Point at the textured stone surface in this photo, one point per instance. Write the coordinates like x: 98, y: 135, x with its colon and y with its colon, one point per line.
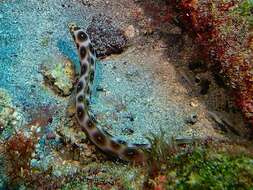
x: 59, y: 75
x: 9, y: 116
x: 106, y: 36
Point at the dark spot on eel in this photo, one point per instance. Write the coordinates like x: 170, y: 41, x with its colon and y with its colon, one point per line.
x: 82, y: 36
x: 115, y: 145
x: 80, y: 112
x: 113, y: 155
x: 82, y: 52
x: 80, y: 98
x: 130, y: 153
x: 83, y: 69
x: 90, y: 123
x: 79, y: 86
x: 99, y: 138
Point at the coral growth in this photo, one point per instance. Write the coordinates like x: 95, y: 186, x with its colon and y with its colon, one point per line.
x: 17, y: 153
x: 59, y: 74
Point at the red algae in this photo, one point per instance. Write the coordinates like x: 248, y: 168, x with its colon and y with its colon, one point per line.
x: 224, y: 40
x: 18, y: 152
x: 225, y: 50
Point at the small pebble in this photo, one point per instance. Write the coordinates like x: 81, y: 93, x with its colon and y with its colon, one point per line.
x: 128, y: 131
x: 51, y: 135
x: 38, y: 130
x: 194, y: 104
x: 197, y: 65
x: 205, y: 85
x: 192, y: 119
x: 176, y: 30
x: 197, y: 79
x: 130, y: 31
x: 33, y: 154
x: 34, y: 163
x: 162, y: 44
x: 100, y: 89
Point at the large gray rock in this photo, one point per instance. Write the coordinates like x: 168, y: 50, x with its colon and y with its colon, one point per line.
x: 106, y: 37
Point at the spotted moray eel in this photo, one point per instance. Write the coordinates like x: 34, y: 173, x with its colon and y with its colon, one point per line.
x: 103, y: 140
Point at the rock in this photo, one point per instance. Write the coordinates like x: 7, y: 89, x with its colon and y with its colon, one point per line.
x: 59, y: 74
x: 9, y: 116
x: 5, y: 99
x: 194, y: 103
x: 204, y: 85
x: 128, y: 131
x: 197, y: 79
x: 175, y: 30
x: 222, y: 123
x: 51, y: 135
x: 71, y: 136
x: 129, y: 31
x: 105, y: 36
x: 192, y: 119
x: 198, y: 66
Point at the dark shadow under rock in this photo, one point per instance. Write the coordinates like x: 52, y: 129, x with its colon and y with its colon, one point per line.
x: 105, y: 36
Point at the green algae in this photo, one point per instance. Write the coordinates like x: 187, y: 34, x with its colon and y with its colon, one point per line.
x: 245, y: 9
x: 204, y: 169
x: 59, y: 75
x: 75, y: 185
x: 201, y: 166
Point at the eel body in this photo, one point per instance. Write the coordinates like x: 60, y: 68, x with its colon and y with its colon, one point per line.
x: 104, y: 141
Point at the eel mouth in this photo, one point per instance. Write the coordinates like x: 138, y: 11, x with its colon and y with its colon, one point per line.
x: 73, y: 27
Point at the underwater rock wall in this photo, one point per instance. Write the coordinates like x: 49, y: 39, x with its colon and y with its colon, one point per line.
x: 223, y: 31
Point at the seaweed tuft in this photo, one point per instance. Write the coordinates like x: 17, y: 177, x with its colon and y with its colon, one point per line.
x: 17, y: 151
x: 202, y: 164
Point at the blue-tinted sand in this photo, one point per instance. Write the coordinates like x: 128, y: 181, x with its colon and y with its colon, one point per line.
x: 131, y: 106
x: 23, y: 27
x: 33, y: 31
